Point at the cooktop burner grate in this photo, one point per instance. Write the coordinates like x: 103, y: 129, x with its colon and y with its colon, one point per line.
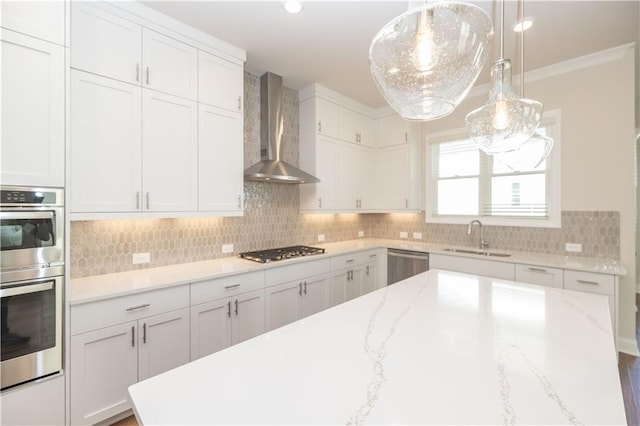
x: 272, y: 255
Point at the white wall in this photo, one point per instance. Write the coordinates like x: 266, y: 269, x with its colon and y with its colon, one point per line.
x: 598, y: 154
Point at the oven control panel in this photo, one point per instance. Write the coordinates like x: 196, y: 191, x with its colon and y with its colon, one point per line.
x: 10, y: 195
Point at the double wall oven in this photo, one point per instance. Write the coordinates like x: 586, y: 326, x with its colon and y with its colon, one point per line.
x: 31, y: 283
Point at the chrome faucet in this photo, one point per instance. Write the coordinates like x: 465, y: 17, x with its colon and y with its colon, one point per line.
x: 483, y: 243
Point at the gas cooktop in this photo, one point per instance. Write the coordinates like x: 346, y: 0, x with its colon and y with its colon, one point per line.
x: 272, y: 255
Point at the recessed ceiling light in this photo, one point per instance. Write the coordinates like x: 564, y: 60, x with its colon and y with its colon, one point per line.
x: 526, y: 23
x: 293, y: 6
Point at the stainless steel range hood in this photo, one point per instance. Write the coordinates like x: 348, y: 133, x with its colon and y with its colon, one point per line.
x: 271, y: 168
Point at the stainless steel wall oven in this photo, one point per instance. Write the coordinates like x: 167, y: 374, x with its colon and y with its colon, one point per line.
x: 31, y: 283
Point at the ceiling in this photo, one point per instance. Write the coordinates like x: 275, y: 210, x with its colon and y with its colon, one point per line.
x: 328, y: 42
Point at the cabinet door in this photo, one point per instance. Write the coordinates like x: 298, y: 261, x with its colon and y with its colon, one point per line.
x: 106, y: 144
x: 348, y: 160
x: 541, y: 275
x: 247, y: 316
x: 348, y: 122
x: 163, y: 343
x: 370, y: 278
x: 105, y: 44
x: 220, y: 169
x: 103, y: 366
x: 33, y: 118
x: 220, y: 82
x: 354, y: 283
x: 283, y: 304
x: 170, y: 66
x: 210, y: 327
x: 392, y: 130
x: 365, y: 178
x: 315, y: 295
x: 338, y: 290
x: 327, y: 121
x: 322, y: 195
x: 392, y: 172
x: 41, y: 19
x: 170, y: 153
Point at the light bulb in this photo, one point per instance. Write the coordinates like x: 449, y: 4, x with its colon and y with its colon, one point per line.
x: 424, y: 56
x: 501, y: 117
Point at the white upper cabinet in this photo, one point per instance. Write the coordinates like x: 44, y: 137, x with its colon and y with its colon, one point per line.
x: 169, y: 65
x: 106, y: 145
x: 355, y: 127
x: 40, y: 19
x: 220, y: 165
x: 220, y: 82
x: 327, y: 118
x: 320, y: 160
x: 169, y: 152
x: 33, y: 111
x: 394, y: 130
x: 105, y: 44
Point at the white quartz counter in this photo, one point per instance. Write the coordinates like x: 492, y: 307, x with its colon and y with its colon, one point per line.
x: 89, y: 289
x: 437, y: 348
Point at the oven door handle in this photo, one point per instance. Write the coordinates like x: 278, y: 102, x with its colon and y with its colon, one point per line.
x: 27, y: 214
x: 26, y: 289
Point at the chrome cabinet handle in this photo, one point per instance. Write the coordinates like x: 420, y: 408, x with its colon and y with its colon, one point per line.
x: 588, y: 282
x: 147, y: 75
x: 239, y: 102
x: 147, y: 201
x: 137, y: 200
x: 537, y: 270
x: 133, y: 308
x: 229, y: 308
x: 239, y: 201
x: 144, y: 333
x: 406, y: 203
x: 227, y: 287
x: 406, y: 136
x: 133, y: 336
x: 319, y: 203
x: 300, y: 289
x: 138, y: 72
x: 319, y: 126
x: 367, y: 270
x: 305, y: 287
x: 373, y: 255
x: 236, y: 307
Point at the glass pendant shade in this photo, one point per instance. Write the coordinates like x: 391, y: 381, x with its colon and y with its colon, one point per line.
x: 426, y: 60
x: 506, y: 121
x: 529, y: 155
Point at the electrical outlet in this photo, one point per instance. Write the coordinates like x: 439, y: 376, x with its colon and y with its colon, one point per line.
x: 141, y: 258
x: 573, y: 247
x: 320, y: 237
x: 404, y: 235
x: 360, y: 233
x: 227, y: 248
x: 417, y: 235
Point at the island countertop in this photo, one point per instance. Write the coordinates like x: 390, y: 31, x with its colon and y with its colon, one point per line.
x: 437, y: 348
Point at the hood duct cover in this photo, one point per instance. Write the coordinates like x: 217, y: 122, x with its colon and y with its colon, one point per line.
x: 271, y: 168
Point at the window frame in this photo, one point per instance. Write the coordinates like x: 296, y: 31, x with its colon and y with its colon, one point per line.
x: 551, y: 120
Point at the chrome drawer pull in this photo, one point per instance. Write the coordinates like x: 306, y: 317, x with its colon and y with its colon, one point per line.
x: 229, y: 308
x: 588, y: 282
x: 537, y: 270
x: 373, y: 255
x: 350, y: 260
x: 227, y: 287
x: 144, y: 305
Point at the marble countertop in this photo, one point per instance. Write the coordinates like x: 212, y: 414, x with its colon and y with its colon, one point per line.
x: 93, y: 288
x: 437, y: 348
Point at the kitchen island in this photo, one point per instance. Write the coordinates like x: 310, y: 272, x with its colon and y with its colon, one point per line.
x: 437, y: 348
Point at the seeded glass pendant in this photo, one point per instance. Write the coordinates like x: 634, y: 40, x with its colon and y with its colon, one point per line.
x: 506, y: 121
x: 426, y: 60
x: 529, y: 155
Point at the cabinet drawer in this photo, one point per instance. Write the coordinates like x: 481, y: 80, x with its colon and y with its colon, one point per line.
x: 95, y: 315
x: 295, y: 272
x: 541, y: 275
x: 589, y: 282
x: 206, y: 291
x: 488, y: 268
x: 351, y: 259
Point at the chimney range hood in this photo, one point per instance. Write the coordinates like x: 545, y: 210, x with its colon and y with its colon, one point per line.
x: 271, y: 168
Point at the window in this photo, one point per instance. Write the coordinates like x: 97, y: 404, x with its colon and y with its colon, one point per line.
x: 463, y: 183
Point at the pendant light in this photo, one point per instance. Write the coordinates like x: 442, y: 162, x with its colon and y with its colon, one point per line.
x: 537, y: 148
x: 425, y: 61
x: 506, y: 121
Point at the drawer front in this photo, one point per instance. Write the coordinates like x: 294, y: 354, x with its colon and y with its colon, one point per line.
x: 96, y: 315
x: 348, y: 260
x: 487, y: 268
x: 206, y: 291
x: 541, y: 275
x: 296, y: 272
x: 589, y: 282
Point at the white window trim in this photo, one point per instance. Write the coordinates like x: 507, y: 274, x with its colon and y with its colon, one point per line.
x: 552, y: 117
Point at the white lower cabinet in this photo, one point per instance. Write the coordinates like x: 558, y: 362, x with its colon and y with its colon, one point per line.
x: 18, y: 403
x: 135, y: 338
x: 487, y: 268
x: 226, y: 311
x: 295, y: 292
x: 354, y: 275
x: 541, y: 275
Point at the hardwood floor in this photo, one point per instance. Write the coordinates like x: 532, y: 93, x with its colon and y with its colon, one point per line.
x: 628, y: 367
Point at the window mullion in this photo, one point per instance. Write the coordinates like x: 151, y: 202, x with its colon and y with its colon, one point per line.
x: 484, y: 191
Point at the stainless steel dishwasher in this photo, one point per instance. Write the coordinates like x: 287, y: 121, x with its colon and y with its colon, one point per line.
x: 403, y: 264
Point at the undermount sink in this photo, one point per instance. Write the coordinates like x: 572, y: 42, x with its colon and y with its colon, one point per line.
x: 477, y: 252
